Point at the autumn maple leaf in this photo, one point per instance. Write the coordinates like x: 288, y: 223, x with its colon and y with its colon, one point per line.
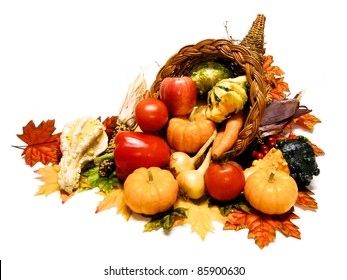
x: 274, y: 78
x: 200, y: 216
x: 263, y: 227
x: 49, y: 176
x: 42, y: 145
x: 307, y: 121
x: 110, y: 125
x: 305, y: 200
x: 279, y: 89
x: 115, y: 199
x: 166, y: 220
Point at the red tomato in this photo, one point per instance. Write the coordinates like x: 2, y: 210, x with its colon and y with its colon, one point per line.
x: 151, y: 115
x: 179, y: 95
x: 224, y: 181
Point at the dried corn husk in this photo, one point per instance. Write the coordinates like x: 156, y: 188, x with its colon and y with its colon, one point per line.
x: 136, y: 92
x: 281, y: 112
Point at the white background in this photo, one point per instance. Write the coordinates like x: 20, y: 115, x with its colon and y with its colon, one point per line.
x: 65, y: 59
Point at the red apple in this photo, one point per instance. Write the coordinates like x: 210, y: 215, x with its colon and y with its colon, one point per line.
x: 179, y: 95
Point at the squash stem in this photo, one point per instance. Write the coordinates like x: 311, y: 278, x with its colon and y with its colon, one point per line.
x: 101, y: 158
x: 271, y: 177
x: 150, y: 177
x: 192, y: 113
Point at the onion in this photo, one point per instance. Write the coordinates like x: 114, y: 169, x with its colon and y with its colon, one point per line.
x: 192, y: 182
x: 180, y: 161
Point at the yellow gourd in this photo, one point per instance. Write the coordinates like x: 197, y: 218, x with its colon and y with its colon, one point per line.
x: 270, y: 191
x: 273, y: 159
x: 150, y: 191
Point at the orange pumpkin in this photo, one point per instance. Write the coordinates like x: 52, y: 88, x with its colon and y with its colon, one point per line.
x: 150, y: 191
x: 270, y: 191
x: 189, y: 133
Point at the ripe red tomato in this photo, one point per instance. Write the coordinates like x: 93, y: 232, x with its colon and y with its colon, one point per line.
x: 151, y: 115
x: 224, y: 181
x: 179, y: 95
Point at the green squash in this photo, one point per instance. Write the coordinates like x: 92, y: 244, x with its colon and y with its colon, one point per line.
x: 207, y: 74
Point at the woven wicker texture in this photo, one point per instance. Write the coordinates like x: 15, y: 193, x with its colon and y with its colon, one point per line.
x: 254, y: 40
x: 247, y: 55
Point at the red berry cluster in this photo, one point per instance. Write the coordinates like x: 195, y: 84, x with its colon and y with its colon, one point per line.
x: 264, y: 148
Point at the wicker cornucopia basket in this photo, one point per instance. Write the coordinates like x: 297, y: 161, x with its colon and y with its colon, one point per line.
x: 246, y: 56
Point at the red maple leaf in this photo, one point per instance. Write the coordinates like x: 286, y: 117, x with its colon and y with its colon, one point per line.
x: 42, y: 145
x: 110, y: 124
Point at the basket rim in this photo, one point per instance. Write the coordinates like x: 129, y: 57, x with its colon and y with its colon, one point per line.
x: 205, y: 49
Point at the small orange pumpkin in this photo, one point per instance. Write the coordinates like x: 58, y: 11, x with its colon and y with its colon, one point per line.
x: 189, y: 133
x: 270, y: 191
x: 150, y: 191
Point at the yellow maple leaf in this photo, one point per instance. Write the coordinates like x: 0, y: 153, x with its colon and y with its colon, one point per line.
x: 49, y: 176
x: 64, y: 196
x: 114, y: 199
x: 200, y: 216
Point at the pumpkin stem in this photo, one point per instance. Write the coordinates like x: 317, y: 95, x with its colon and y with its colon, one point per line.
x: 191, y: 116
x: 150, y: 176
x: 272, y: 175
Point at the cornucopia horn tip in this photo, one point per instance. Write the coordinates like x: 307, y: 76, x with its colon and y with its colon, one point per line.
x: 254, y: 40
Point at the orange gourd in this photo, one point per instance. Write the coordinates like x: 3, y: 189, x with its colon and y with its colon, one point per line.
x: 270, y: 191
x: 150, y: 191
x: 189, y: 133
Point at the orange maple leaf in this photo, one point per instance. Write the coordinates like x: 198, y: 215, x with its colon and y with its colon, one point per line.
x: 318, y: 151
x: 42, y: 145
x: 269, y: 68
x: 280, y: 87
x: 305, y: 200
x: 275, y: 70
x: 307, y: 121
x: 274, y: 78
x: 268, y: 60
x: 263, y: 227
